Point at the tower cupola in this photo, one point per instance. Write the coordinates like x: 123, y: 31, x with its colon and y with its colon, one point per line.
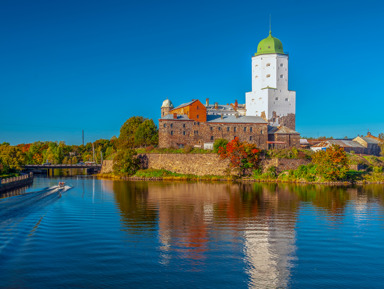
x: 270, y: 45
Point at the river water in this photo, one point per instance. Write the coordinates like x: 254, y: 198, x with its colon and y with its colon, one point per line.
x: 115, y: 234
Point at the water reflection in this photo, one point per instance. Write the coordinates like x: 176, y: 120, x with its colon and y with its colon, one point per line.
x: 192, y: 220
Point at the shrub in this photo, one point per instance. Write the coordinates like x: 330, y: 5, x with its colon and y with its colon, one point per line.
x: 242, y: 155
x: 126, y: 162
x: 220, y: 142
x: 187, y: 149
x: 332, y: 164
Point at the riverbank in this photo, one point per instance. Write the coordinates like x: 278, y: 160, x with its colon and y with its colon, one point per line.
x: 15, y: 182
x: 163, y: 175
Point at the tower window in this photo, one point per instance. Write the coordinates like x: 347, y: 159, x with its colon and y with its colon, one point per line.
x: 197, y: 116
x: 281, y: 65
x: 171, y: 132
x: 281, y: 76
x: 268, y: 75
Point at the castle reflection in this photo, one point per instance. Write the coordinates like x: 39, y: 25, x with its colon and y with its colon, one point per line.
x: 256, y: 219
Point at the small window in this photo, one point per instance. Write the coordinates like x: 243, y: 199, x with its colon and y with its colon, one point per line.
x: 250, y: 138
x: 245, y: 129
x: 211, y: 137
x: 281, y: 76
x: 183, y: 132
x: 198, y: 123
x: 234, y: 137
x: 276, y: 98
x: 268, y: 75
x: 268, y: 64
x: 197, y: 107
x: 219, y: 128
x: 261, y: 132
x: 197, y: 116
x: 281, y: 65
x: 250, y: 129
x: 228, y: 128
x: 286, y: 99
x: 234, y: 129
x: 171, y: 125
x: 211, y: 128
x: 171, y: 132
x: 165, y: 125
x: 184, y: 125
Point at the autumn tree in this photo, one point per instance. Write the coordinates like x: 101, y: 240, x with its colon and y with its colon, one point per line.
x: 12, y: 158
x: 242, y: 155
x: 331, y: 164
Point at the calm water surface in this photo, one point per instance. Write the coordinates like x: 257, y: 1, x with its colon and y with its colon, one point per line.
x: 113, y: 234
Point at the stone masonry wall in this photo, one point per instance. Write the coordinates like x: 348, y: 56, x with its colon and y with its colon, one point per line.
x: 283, y: 164
x: 196, y: 164
x: 201, y: 164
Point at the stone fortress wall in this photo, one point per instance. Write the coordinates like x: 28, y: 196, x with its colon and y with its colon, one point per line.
x: 201, y: 164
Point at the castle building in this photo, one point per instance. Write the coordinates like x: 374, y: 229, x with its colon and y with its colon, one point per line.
x: 267, y: 119
x: 270, y: 97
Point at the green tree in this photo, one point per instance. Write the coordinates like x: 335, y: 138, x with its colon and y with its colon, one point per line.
x: 146, y: 134
x: 128, y: 130
x: 220, y: 142
x: 126, y: 162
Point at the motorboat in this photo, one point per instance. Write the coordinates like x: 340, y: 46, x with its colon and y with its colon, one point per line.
x: 61, y: 184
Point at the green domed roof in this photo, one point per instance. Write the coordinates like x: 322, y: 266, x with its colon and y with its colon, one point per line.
x: 270, y: 45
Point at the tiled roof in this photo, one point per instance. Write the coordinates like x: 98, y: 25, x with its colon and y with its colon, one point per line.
x: 281, y: 130
x: 342, y: 143
x: 179, y: 117
x: 370, y: 140
x: 234, y: 119
x: 185, y: 104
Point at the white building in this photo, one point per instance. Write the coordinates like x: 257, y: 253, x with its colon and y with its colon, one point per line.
x: 270, y: 97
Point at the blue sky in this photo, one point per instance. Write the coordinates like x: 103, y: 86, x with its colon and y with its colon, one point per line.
x: 72, y: 65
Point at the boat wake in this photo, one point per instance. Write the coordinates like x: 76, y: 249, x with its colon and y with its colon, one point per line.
x: 20, y: 213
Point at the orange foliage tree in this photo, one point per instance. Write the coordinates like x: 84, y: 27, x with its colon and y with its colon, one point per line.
x: 331, y: 164
x: 242, y: 155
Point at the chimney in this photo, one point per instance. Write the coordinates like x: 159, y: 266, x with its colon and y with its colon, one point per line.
x: 207, y: 102
x: 174, y: 115
x: 221, y: 115
x: 236, y: 103
x: 216, y: 105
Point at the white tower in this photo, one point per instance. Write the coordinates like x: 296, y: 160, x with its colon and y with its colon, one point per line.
x: 270, y: 97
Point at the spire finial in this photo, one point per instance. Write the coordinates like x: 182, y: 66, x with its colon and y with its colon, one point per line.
x: 270, y: 24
